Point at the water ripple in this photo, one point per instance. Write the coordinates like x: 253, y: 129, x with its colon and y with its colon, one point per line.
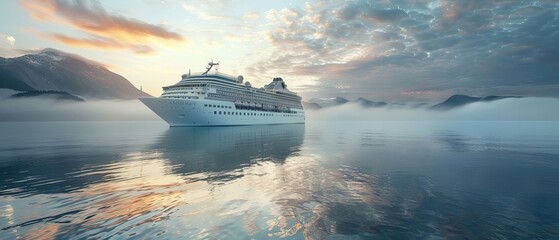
x: 346, y: 182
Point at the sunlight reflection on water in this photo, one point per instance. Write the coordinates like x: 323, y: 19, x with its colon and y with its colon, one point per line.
x: 325, y: 179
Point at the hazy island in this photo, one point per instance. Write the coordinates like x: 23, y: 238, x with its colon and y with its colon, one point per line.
x: 54, y: 95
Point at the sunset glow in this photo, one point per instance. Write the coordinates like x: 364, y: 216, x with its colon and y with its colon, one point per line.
x: 385, y: 50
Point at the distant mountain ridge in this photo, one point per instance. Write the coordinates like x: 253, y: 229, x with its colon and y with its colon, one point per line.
x: 318, y: 103
x: 368, y: 103
x: 458, y: 100
x: 51, y: 69
x: 454, y: 101
x: 311, y: 105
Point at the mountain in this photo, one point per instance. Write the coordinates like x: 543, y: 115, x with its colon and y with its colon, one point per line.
x: 456, y: 101
x: 310, y: 105
x: 54, y: 95
x: 55, y: 70
x: 318, y: 103
x: 328, y: 102
x: 368, y: 103
x: 340, y: 100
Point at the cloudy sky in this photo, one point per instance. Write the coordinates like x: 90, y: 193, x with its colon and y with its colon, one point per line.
x: 390, y: 50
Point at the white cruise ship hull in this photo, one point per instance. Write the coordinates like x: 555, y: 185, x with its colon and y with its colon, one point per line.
x: 184, y: 112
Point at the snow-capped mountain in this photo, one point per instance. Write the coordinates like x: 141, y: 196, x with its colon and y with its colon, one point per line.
x: 51, y: 69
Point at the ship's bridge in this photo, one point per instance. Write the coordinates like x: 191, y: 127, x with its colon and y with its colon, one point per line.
x: 201, y: 76
x: 185, y: 78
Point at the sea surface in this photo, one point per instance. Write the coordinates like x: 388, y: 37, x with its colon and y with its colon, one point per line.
x: 322, y: 180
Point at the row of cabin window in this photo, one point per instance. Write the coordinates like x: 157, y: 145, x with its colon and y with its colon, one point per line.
x: 181, y: 88
x: 216, y: 97
x: 221, y: 106
x: 185, y: 92
x: 234, y: 92
x: 181, y: 97
x: 190, y: 86
x: 259, y: 98
x: 249, y: 114
x: 216, y: 106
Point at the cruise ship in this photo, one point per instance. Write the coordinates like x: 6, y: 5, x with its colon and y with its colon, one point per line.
x: 215, y: 99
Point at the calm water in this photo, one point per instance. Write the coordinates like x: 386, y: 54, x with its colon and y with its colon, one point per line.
x: 333, y: 180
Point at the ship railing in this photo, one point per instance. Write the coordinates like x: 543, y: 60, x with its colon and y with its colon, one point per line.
x: 239, y: 107
x: 197, y: 74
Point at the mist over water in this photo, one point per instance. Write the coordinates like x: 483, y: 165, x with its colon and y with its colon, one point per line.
x: 511, y: 109
x: 44, y: 109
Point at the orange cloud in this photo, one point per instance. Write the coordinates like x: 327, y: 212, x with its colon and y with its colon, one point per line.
x: 102, y: 43
x: 40, y: 10
x: 107, y: 31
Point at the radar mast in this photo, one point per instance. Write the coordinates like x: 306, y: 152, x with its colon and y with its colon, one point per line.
x: 210, y: 66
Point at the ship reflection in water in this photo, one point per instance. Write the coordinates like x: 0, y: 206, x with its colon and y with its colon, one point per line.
x: 218, y: 149
x: 144, y: 180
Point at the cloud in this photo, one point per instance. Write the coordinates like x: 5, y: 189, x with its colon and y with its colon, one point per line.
x: 11, y: 40
x: 103, y: 29
x: 101, y: 43
x: 381, y: 49
x: 16, y: 52
x: 251, y: 16
x: 207, y: 10
x: 8, y: 39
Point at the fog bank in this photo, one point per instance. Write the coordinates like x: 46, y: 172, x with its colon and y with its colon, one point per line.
x: 43, y: 109
x: 511, y: 109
